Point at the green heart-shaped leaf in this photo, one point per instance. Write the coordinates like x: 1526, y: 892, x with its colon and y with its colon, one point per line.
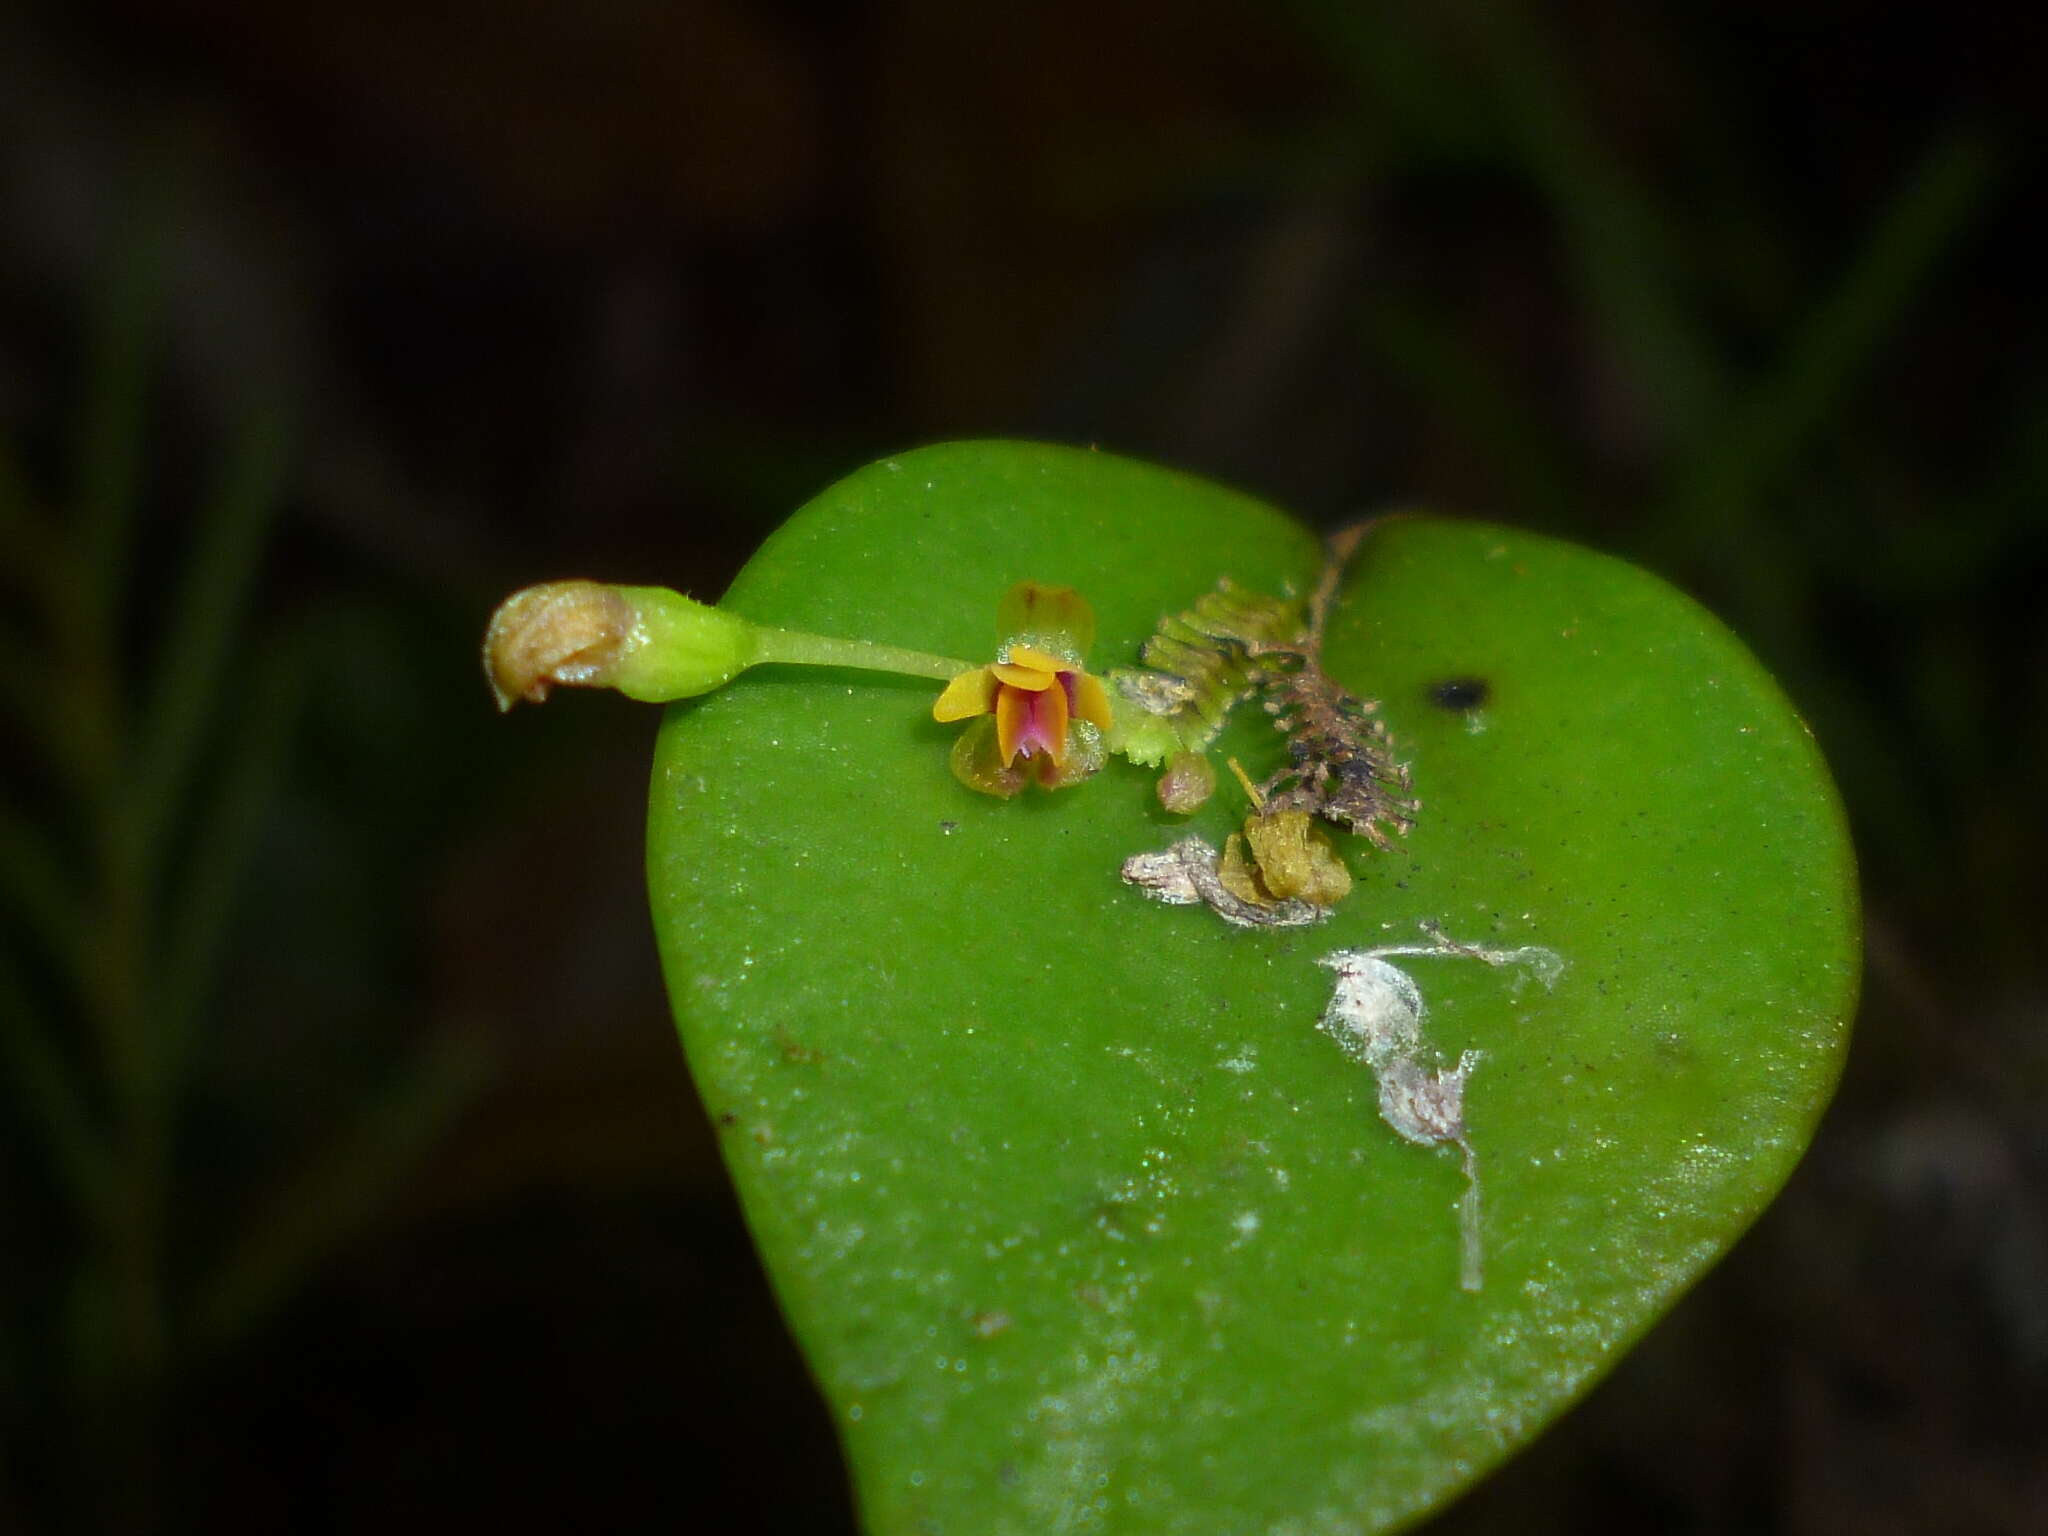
x: 1082, y: 1222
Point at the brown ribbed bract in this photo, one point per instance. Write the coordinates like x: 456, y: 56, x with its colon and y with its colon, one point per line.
x: 1340, y: 763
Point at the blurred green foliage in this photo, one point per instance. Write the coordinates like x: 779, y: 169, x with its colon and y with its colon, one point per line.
x: 127, y: 839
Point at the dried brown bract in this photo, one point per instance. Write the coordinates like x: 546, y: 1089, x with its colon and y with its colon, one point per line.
x: 572, y: 632
x: 1340, y: 759
x: 1340, y: 763
x: 1190, y: 874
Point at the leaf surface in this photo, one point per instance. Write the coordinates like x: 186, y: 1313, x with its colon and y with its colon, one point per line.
x: 1082, y: 1222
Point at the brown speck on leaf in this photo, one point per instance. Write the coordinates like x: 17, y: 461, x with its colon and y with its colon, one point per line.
x: 794, y: 1050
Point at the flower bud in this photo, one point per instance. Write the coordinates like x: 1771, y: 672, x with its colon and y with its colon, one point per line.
x: 647, y: 642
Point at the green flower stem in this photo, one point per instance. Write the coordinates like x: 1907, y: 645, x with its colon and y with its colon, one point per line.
x: 799, y: 649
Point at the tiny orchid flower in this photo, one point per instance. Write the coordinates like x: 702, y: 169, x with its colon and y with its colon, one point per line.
x: 1037, y: 712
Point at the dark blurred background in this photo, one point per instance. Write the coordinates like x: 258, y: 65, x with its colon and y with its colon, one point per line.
x: 350, y: 1178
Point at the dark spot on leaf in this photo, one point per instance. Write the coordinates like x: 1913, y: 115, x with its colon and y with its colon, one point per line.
x: 794, y: 1050
x: 1459, y: 693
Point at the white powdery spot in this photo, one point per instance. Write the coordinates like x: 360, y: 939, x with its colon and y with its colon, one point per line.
x: 1375, y: 1013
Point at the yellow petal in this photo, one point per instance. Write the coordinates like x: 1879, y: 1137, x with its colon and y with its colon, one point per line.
x: 1091, y: 700
x: 1041, y: 661
x: 1023, y: 675
x: 1052, y: 712
x: 1013, y: 707
x: 971, y: 693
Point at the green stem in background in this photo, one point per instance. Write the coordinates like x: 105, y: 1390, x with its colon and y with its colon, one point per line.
x: 655, y: 645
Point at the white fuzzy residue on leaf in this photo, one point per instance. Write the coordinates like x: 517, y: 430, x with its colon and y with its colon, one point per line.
x: 1376, y: 1014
